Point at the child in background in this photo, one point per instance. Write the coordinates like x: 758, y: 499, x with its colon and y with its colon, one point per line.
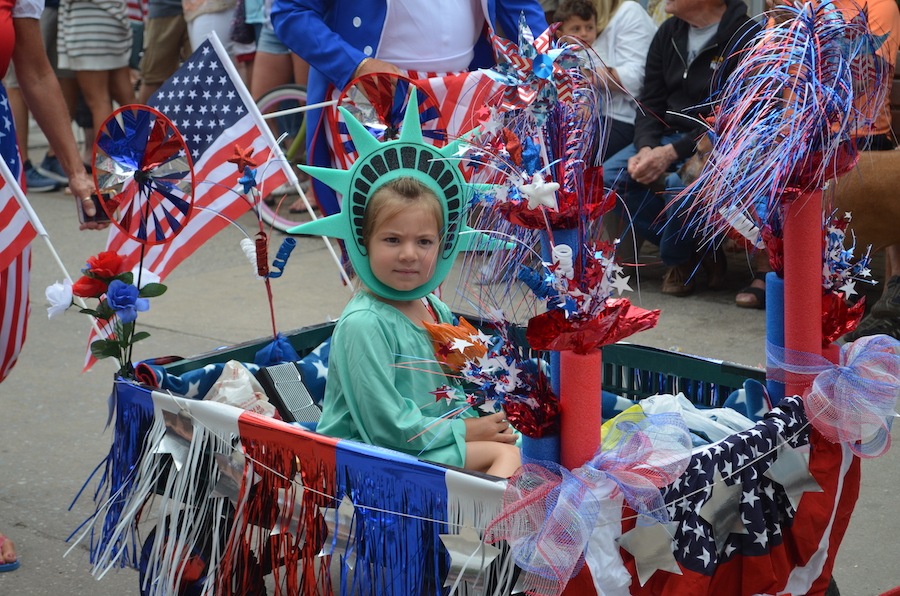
x: 385, y: 386
x: 620, y: 32
x: 578, y: 19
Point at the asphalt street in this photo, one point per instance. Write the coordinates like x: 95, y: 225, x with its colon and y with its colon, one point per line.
x: 52, y: 417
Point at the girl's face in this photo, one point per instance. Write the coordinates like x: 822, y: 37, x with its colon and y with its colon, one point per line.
x: 403, y: 249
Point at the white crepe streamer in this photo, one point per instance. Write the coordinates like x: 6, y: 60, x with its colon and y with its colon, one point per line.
x: 249, y: 248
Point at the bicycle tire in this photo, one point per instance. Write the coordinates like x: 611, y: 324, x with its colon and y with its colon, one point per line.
x: 273, y: 208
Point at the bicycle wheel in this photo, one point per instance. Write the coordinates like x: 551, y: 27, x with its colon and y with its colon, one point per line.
x: 275, y: 106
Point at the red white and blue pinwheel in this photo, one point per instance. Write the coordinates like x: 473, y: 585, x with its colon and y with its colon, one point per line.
x: 378, y: 100
x: 537, y: 75
x: 144, y: 173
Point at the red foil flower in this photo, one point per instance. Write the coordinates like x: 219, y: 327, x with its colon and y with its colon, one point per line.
x: 570, y: 213
x: 553, y: 331
x: 535, y: 415
x: 838, y: 318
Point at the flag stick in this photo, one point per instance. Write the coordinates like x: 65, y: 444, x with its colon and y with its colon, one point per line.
x: 39, y: 228
x: 270, y: 140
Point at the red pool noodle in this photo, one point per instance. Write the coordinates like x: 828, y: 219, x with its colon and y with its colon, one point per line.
x: 803, y: 281
x: 580, y: 400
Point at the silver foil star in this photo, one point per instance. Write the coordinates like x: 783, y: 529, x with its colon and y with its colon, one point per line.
x: 722, y: 510
x: 651, y: 547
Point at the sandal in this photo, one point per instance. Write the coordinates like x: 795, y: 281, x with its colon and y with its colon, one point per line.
x: 758, y: 299
x: 3, y: 565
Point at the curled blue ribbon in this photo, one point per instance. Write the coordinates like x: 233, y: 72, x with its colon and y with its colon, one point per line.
x: 284, y: 252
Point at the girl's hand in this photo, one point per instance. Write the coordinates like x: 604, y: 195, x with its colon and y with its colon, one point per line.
x: 490, y: 428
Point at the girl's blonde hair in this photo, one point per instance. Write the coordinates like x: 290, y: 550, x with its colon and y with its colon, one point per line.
x: 395, y: 196
x: 605, y: 11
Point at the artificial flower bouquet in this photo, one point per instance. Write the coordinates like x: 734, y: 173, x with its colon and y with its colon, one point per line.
x: 120, y: 295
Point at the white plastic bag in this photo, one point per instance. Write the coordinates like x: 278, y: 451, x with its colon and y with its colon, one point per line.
x: 237, y: 387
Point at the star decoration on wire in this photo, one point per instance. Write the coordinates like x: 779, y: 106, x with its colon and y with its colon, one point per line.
x: 651, y: 547
x: 722, y: 510
x: 540, y: 192
x: 791, y: 470
x: 444, y: 392
x: 469, y: 555
x: 248, y: 180
x: 242, y: 158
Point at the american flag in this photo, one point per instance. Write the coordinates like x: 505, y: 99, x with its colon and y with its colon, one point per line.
x: 762, y: 512
x: 212, y: 109
x: 16, y: 233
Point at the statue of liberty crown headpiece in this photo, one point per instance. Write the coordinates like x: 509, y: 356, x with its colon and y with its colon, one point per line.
x: 379, y: 163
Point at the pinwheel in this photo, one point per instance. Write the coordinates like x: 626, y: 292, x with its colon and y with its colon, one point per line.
x: 140, y: 160
x: 378, y: 101
x: 536, y: 74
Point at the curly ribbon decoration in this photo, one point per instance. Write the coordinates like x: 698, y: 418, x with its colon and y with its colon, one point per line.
x: 284, y: 253
x: 562, y: 256
x: 550, y: 512
x: 854, y: 402
x: 262, y: 254
x: 249, y: 248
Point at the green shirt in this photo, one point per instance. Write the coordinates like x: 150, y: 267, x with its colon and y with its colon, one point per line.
x: 381, y: 375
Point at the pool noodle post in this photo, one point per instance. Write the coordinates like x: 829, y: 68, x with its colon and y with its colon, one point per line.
x: 577, y: 380
x: 803, y: 281
x: 774, y: 327
x: 580, y: 397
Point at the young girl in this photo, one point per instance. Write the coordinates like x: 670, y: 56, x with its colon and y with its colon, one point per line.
x: 384, y: 385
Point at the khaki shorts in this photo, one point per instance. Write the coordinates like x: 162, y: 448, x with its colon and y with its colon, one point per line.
x: 166, y: 44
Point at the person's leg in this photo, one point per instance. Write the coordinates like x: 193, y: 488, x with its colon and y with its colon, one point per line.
x: 754, y: 295
x: 488, y: 457
x: 677, y: 243
x: 121, y: 88
x: 270, y: 71
x: 164, y: 41
x: 888, y: 306
x: 94, y: 86
x: 621, y: 135
x: 301, y: 69
x: 220, y: 22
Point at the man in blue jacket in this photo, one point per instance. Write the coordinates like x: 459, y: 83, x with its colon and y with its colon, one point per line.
x: 692, y: 51
x: 344, y: 39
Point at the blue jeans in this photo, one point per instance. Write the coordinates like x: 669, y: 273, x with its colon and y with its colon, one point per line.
x: 654, y: 216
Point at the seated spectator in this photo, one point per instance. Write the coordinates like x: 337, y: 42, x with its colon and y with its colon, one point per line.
x: 625, y: 31
x: 687, y: 52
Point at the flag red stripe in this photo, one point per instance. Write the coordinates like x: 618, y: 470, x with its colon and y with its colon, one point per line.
x: 16, y: 231
x: 16, y: 307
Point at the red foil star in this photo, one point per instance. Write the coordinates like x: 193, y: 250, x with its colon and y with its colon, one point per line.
x: 242, y: 158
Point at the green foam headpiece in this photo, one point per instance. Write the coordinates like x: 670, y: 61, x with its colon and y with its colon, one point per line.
x: 379, y: 163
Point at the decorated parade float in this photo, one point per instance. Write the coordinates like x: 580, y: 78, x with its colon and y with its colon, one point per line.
x: 726, y: 480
